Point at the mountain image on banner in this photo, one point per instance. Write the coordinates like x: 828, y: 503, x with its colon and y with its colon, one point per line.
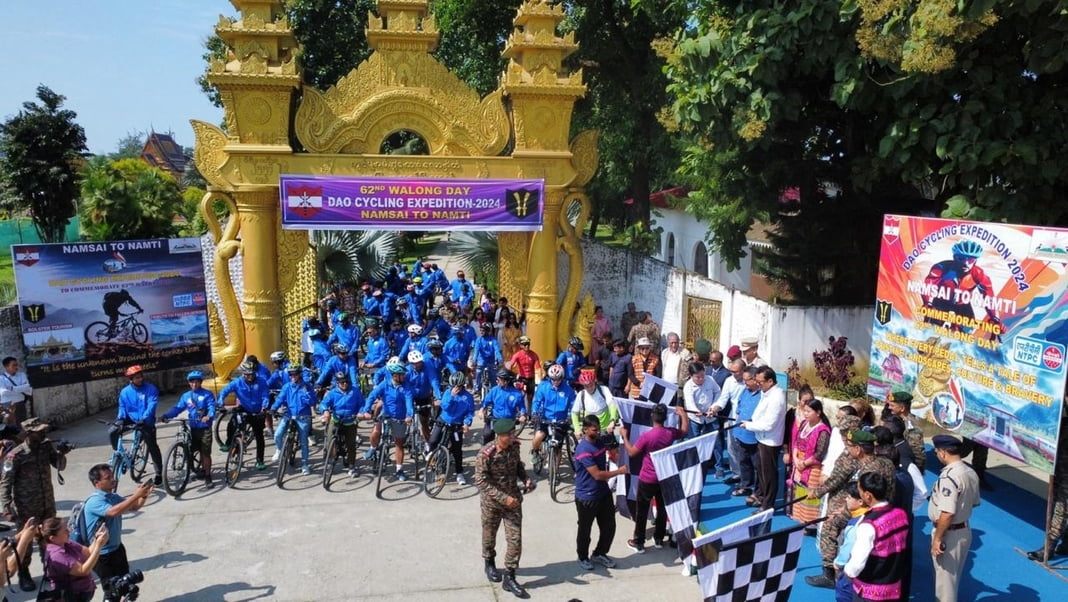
x: 304, y: 201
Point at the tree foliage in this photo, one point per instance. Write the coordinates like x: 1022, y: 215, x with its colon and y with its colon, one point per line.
x: 128, y: 199
x: 787, y: 122
x: 130, y: 146
x: 40, y: 149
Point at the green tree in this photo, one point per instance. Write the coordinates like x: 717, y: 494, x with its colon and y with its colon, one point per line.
x: 473, y: 34
x: 127, y: 199
x: 40, y: 149
x: 355, y: 256
x: 130, y: 146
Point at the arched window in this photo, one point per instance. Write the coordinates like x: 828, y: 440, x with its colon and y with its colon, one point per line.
x: 404, y: 142
x: 700, y: 259
x: 669, y: 255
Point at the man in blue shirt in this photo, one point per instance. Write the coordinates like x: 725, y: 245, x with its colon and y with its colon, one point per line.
x: 457, y: 350
x: 377, y: 348
x: 435, y: 360
x: 487, y: 355
x: 416, y: 341
x: 341, y: 362
x: 425, y: 387
x: 593, y: 498
x: 457, y: 409
x: 106, y: 508
x: 503, y: 402
x: 199, y: 405
x: 137, y: 406
x: 620, y: 367
x: 346, y: 333
x: 252, y: 394
x: 396, y: 336
x: 572, y: 360
x: 394, y: 400
x: 552, y: 403
x: 747, y: 450
x: 435, y: 323
x: 339, y: 408
x: 461, y: 292
x: 297, y: 399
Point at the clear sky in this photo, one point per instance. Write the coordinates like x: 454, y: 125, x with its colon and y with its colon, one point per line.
x: 125, y: 66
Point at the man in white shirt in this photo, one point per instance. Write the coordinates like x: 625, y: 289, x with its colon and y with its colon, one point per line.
x: 767, y: 424
x: 15, y: 390
x: 674, y: 359
x: 699, y: 395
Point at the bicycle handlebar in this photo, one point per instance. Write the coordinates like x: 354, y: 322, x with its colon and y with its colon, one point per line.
x: 136, y: 426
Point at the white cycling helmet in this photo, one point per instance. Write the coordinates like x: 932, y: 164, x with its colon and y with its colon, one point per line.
x: 415, y: 329
x: 394, y: 361
x: 556, y: 373
x: 278, y: 357
x: 414, y: 356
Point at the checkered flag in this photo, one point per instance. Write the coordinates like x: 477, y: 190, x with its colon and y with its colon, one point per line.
x: 759, y: 569
x: 637, y: 418
x: 681, y: 469
x: 657, y: 390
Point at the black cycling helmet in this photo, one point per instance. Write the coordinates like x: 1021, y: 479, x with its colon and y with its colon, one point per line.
x: 341, y: 377
x: 248, y: 368
x: 435, y: 344
x: 294, y: 369
x: 506, y: 375
x: 576, y: 343
x: 486, y: 328
x: 339, y: 348
x: 458, y: 379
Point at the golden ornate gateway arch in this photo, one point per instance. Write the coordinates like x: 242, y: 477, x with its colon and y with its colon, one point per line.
x: 275, y: 125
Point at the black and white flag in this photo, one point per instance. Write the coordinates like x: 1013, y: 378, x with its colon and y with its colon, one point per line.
x: 657, y: 390
x: 681, y: 470
x: 759, y: 569
x: 637, y: 418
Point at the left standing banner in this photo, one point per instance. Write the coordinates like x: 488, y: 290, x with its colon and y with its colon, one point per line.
x: 375, y: 203
x: 89, y: 310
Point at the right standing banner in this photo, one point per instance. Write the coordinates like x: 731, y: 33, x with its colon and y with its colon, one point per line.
x: 972, y: 319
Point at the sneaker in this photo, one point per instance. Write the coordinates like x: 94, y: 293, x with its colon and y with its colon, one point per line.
x: 354, y: 472
x: 586, y: 565
x: 367, y: 455
x: 158, y: 480
x: 261, y: 466
x: 461, y: 480
x: 639, y: 548
x: 305, y: 471
x: 400, y: 476
x: 604, y: 561
x: 208, y: 484
x: 658, y: 543
x: 277, y: 454
x: 224, y: 448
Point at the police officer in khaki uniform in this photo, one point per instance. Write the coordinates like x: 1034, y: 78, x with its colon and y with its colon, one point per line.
x: 953, y: 496
x: 26, y: 487
x: 498, y: 470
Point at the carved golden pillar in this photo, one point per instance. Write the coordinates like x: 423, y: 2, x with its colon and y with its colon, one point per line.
x: 543, y: 309
x: 257, y: 208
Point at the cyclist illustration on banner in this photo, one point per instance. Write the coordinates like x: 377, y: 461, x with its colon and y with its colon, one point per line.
x: 959, y: 280
x: 113, y: 302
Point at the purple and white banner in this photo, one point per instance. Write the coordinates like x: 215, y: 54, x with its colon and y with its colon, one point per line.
x: 333, y: 203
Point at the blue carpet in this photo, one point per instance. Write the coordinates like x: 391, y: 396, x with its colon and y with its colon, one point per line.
x: 1008, y: 518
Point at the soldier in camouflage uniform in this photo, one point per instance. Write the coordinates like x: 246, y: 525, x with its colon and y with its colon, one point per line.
x: 900, y: 405
x: 1058, y: 523
x: 498, y: 469
x: 26, y: 487
x: 858, y: 459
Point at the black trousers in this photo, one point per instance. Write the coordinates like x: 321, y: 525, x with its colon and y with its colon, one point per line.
x: 114, y: 564
x: 647, y: 492
x: 768, y: 483
x: 257, y: 422
x: 604, y: 512
x: 455, y: 444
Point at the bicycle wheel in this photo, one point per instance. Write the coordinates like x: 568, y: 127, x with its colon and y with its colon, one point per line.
x: 176, y: 468
x: 284, y: 459
x: 221, y: 425
x: 554, y: 470
x: 139, y: 333
x: 380, y: 462
x: 118, y: 468
x: 97, y: 333
x: 330, y: 460
x: 139, y: 462
x: 235, y: 458
x: 437, y: 471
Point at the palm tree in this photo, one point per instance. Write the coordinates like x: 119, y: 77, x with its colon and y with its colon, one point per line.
x: 352, y: 256
x: 479, y: 252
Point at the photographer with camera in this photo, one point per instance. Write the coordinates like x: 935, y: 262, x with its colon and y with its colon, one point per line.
x: 106, y: 508
x: 14, y: 549
x: 68, y: 564
x: 26, y: 487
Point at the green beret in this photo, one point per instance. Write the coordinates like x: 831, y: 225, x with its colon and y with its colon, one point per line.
x: 503, y: 426
x: 901, y: 397
x: 702, y: 347
x: 861, y: 437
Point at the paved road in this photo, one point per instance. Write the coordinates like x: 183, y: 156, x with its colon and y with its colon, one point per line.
x: 305, y: 543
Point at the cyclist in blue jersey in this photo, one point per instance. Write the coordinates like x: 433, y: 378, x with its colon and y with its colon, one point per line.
x: 457, y: 350
x: 435, y: 360
x: 320, y: 350
x: 552, y: 403
x: 393, y: 400
x: 137, y: 405
x: 199, y: 405
x: 341, y: 362
x: 339, y: 409
x: 345, y: 333
x: 295, y: 401
x: 487, y: 355
x: 385, y: 373
x: 376, y: 350
x: 425, y: 387
x: 435, y: 323
x: 572, y: 360
x: 457, y: 408
x: 252, y: 394
x: 503, y: 402
x: 396, y: 336
x: 416, y: 341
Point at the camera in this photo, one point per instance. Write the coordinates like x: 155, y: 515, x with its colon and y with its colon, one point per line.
x: 116, y: 588
x: 64, y: 447
x: 10, y: 541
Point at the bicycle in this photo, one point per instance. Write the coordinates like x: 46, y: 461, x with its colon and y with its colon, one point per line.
x: 221, y: 427
x: 126, y: 329
x: 558, y: 444
x: 439, y: 461
x: 287, y: 454
x: 488, y: 377
x: 131, y: 459
x: 331, y: 452
x: 182, y: 459
x: 382, y: 452
x: 235, y: 454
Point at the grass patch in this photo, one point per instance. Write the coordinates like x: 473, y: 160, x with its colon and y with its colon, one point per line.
x: 418, y: 247
x: 7, y: 279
